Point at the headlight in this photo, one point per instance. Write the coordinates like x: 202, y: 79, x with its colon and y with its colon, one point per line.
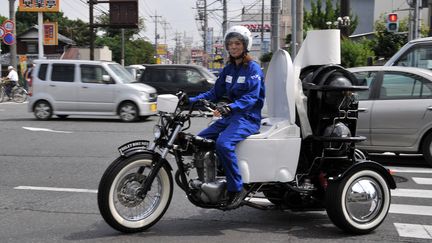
x: 157, y: 131
x: 145, y: 96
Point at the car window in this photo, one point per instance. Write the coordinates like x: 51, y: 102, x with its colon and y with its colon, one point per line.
x: 92, y: 74
x: 418, y: 56
x: 121, y: 73
x: 63, y: 72
x: 43, y: 71
x: 190, y: 76
x: 404, y: 85
x: 365, y: 78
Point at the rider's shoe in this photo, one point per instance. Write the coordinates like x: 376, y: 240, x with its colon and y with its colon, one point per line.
x: 235, y: 199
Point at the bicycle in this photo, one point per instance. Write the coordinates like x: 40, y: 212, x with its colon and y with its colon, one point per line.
x: 18, y: 93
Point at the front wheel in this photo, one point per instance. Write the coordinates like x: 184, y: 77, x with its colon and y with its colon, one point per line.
x: 128, y: 112
x: 359, y: 202
x: 120, y: 198
x: 427, y: 149
x: 19, y: 95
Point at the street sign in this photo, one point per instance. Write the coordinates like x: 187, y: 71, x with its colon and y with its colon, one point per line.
x: 2, y: 32
x: 39, y: 5
x: 50, y: 33
x: 9, y: 39
x: 8, y: 25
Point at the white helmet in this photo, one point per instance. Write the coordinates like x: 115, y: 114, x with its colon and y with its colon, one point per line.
x: 240, y: 32
x: 10, y: 67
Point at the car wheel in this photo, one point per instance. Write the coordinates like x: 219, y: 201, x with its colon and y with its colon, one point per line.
x: 128, y: 112
x: 42, y: 110
x: 427, y: 149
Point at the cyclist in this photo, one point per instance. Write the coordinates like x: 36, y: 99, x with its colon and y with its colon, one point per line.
x: 10, y: 81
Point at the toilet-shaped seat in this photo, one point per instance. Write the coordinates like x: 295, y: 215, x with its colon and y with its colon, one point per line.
x: 272, y: 155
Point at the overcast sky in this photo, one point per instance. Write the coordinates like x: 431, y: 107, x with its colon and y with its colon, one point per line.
x: 179, y: 14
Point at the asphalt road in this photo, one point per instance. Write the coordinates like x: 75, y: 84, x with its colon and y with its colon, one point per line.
x: 50, y: 171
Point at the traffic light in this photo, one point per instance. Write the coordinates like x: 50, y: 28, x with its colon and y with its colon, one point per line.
x: 392, y: 22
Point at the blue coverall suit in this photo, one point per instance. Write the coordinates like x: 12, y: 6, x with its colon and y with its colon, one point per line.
x: 244, y: 86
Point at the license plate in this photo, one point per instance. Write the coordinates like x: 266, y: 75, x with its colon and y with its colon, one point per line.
x: 153, y: 107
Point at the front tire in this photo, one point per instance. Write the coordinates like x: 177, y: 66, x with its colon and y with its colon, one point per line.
x: 359, y: 202
x: 19, y: 95
x: 118, y: 195
x: 128, y: 112
x: 42, y: 110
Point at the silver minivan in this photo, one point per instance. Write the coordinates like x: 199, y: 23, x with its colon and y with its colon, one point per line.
x: 78, y: 87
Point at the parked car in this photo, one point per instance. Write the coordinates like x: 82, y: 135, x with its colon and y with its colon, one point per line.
x: 170, y: 78
x: 135, y: 70
x: 415, y: 53
x: 395, y: 114
x: 76, y: 87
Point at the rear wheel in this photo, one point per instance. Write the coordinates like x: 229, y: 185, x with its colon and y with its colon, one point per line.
x: 427, y: 149
x: 2, y: 93
x: 121, y: 201
x: 128, y: 112
x: 42, y: 110
x: 359, y: 202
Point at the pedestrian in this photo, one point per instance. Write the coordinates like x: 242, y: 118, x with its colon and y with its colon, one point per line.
x: 242, y: 82
x: 27, y: 75
x: 10, y: 81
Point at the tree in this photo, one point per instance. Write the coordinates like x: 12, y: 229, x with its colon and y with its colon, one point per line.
x: 137, y: 51
x: 354, y: 54
x: 319, y: 19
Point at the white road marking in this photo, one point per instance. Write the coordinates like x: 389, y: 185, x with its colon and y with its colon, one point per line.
x: 411, y: 209
x: 422, y: 181
x: 409, y: 169
x: 56, y: 189
x: 414, y: 230
x: 416, y: 193
x: 39, y: 129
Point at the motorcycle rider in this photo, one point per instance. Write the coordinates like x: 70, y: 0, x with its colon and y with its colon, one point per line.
x: 242, y: 82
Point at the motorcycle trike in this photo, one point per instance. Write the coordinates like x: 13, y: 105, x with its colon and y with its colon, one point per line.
x: 281, y: 168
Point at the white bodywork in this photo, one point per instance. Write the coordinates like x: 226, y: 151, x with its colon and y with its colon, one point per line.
x: 272, y: 155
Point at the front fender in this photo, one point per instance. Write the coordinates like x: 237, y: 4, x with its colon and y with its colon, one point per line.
x: 140, y: 147
x: 371, y: 165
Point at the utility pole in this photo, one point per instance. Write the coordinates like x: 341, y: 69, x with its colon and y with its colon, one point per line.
x: 225, y: 20
x: 299, y: 24
x: 345, y: 11
x: 275, y: 9
x: 205, y: 61
x: 262, y: 27
x: 156, y: 34
x: 91, y: 24
x: 430, y: 17
x: 293, y: 28
x: 13, y: 50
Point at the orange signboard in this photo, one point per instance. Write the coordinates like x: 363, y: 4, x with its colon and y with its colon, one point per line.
x: 39, y: 5
x: 50, y: 33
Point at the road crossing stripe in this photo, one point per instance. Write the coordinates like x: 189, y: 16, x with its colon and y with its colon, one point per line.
x: 411, y: 209
x: 410, y: 170
x: 416, y: 193
x: 422, y: 181
x: 414, y: 230
x: 56, y: 189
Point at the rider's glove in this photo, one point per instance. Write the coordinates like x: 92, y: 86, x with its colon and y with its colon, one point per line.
x: 224, y: 110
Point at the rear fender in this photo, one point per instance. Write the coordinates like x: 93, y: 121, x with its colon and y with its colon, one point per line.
x: 367, y: 165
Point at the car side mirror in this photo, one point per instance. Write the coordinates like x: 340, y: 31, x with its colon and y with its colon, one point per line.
x: 107, y: 79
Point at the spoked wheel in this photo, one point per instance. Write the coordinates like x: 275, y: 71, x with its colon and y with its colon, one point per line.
x: 121, y: 201
x: 2, y: 93
x: 19, y: 95
x: 359, y: 202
